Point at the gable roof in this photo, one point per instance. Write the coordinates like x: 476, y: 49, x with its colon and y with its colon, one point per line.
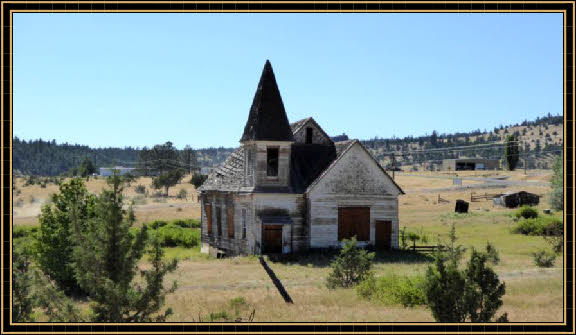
x: 341, y: 149
x: 308, y: 164
x: 296, y: 126
x: 267, y: 120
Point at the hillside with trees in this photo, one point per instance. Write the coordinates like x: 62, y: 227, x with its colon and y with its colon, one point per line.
x: 539, y: 140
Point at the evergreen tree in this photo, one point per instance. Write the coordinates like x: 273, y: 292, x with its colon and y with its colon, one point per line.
x: 54, y: 243
x: 511, y: 152
x: 473, y: 294
x: 557, y: 183
x: 483, y: 292
x: 106, y: 262
x: 351, y: 267
x: 167, y: 179
x: 22, y: 302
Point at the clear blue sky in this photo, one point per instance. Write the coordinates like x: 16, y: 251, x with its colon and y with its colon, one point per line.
x: 142, y: 79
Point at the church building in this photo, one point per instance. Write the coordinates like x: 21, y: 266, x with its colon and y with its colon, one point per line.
x: 289, y: 188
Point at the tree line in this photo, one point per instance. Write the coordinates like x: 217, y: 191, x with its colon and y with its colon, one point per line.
x: 48, y: 158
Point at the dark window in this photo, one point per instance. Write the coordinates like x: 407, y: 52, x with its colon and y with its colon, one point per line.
x: 272, y: 162
x: 208, y: 210
x: 309, y: 132
x: 219, y: 220
x: 230, y: 219
x: 243, y: 223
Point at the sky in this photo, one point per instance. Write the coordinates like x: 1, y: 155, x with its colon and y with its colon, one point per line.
x: 140, y: 79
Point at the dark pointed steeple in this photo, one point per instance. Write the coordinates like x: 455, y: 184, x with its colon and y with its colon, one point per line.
x: 267, y: 120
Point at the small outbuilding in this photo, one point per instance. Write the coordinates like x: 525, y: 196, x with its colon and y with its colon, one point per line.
x: 464, y: 164
x: 517, y: 199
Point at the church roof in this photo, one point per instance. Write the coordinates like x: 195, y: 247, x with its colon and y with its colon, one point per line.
x: 229, y: 176
x: 267, y: 120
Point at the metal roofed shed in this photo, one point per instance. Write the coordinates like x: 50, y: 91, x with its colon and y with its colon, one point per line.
x: 470, y: 164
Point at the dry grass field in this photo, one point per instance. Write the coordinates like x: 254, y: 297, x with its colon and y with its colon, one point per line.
x: 146, y: 208
x: 207, y: 285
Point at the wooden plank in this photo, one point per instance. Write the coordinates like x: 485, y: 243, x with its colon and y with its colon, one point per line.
x: 208, y: 210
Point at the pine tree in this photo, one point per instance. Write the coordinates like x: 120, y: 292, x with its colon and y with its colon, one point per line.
x: 54, y: 243
x: 22, y: 303
x: 511, y: 152
x: 483, y: 292
x: 473, y: 294
x: 106, y: 262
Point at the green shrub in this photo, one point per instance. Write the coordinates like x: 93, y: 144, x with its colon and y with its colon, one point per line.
x: 544, y: 259
x: 140, y: 189
x: 527, y: 212
x: 198, y: 179
x: 187, y: 223
x: 393, y: 289
x: 219, y: 316
x: 557, y: 199
x: 172, y: 236
x: 542, y: 226
x: 182, y: 194
x: 351, y: 267
x: 157, y: 224
x: 24, y: 231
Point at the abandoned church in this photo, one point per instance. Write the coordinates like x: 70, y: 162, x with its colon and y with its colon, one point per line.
x: 289, y: 188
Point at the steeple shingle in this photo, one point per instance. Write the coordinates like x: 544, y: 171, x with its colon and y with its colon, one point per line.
x: 267, y: 120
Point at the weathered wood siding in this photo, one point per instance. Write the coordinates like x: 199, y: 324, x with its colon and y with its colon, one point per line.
x: 259, y: 169
x: 229, y: 203
x: 355, y: 180
x: 318, y: 137
x: 294, y: 235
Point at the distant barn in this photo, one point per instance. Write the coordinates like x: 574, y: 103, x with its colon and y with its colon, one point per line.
x: 464, y: 164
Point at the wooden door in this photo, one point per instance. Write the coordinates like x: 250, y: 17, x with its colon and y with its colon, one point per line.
x: 354, y: 221
x: 383, y: 235
x: 272, y: 239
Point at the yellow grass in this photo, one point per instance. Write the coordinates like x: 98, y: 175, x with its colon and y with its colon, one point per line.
x: 206, y: 285
x: 154, y: 209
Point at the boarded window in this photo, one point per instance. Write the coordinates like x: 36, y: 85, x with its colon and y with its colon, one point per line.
x: 354, y: 221
x: 272, y: 162
x: 243, y: 223
x: 230, y: 219
x: 309, y: 133
x: 208, y: 210
x: 219, y: 220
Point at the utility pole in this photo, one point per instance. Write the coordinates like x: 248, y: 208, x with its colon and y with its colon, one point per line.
x: 525, y: 158
x: 393, y: 166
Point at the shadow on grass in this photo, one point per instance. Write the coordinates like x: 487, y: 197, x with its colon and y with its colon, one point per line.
x: 323, y: 257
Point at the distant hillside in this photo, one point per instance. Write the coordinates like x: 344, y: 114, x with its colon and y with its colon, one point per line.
x: 541, y: 139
